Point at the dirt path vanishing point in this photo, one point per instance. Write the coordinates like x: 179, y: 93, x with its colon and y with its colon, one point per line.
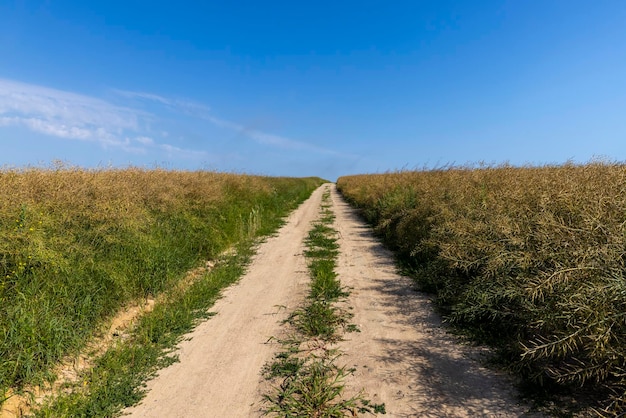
x: 402, y: 355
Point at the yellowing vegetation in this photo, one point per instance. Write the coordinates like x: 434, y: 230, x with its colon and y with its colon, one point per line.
x: 76, y: 245
x: 531, y: 260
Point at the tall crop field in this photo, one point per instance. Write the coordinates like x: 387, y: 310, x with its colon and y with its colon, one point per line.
x: 76, y: 245
x: 531, y: 260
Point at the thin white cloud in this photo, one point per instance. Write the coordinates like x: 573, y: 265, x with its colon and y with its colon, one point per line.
x: 188, y: 106
x: 268, y: 139
x: 64, y: 114
x: 128, y: 127
x: 69, y: 115
x: 172, y: 150
x: 141, y: 95
x: 203, y: 112
x: 144, y: 140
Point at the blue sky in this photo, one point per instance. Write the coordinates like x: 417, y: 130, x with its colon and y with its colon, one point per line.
x: 322, y: 88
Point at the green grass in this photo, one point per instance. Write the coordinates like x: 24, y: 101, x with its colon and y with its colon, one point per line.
x: 117, y: 380
x: 315, y: 390
x: 318, y: 319
x: 324, y: 285
x: 311, y: 382
x: 77, y: 245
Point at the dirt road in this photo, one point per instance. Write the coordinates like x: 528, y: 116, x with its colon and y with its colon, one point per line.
x: 402, y: 355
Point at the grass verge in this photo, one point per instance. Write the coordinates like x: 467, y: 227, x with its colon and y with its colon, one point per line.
x: 118, y: 378
x: 308, y: 381
x: 78, y: 245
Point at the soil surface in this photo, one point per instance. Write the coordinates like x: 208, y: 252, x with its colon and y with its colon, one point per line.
x: 403, y: 357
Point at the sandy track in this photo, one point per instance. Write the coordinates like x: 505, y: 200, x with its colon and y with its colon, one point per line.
x: 219, y: 370
x: 402, y: 355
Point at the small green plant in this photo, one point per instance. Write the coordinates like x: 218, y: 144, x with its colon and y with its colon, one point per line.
x: 318, y: 319
x: 315, y: 391
x: 285, y: 364
x: 324, y: 284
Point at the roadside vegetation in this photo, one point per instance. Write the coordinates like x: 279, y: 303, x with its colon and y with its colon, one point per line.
x: 78, y: 245
x: 308, y: 381
x: 528, y: 259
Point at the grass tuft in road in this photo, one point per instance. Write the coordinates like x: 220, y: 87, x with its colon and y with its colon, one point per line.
x: 310, y: 383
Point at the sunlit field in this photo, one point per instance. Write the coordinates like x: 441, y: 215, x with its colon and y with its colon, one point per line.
x: 76, y: 245
x: 530, y: 260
